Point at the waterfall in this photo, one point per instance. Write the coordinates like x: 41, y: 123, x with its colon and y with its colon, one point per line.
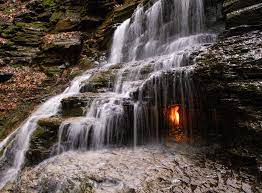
x: 164, y: 28
x: 153, y: 47
x: 13, y: 156
x: 119, y: 39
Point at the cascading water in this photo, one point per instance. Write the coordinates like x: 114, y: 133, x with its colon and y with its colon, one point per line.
x: 164, y: 28
x: 153, y: 47
x: 14, y: 154
x: 148, y: 45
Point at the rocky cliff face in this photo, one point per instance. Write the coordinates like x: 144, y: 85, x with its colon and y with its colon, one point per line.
x: 231, y: 72
x: 53, y: 39
x: 53, y: 34
x: 241, y: 12
x: 43, y: 44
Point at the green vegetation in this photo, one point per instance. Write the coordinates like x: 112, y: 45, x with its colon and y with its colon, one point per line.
x: 32, y: 24
x: 56, y: 16
x: 50, y: 4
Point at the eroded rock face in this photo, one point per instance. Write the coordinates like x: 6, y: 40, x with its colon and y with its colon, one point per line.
x: 43, y: 140
x: 77, y: 105
x: 145, y: 169
x: 231, y: 72
x: 60, y: 49
x: 47, y: 37
x: 24, y: 24
x: 105, y: 31
x: 243, y: 12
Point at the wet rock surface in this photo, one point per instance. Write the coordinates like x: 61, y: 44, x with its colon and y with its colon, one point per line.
x: 46, y: 37
x: 77, y: 105
x: 43, y: 140
x: 231, y: 72
x: 145, y: 169
x: 242, y: 12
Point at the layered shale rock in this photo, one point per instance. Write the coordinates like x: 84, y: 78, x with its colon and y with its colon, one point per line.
x: 231, y: 72
x: 243, y: 12
x: 36, y: 19
x: 48, y: 36
x: 224, y: 87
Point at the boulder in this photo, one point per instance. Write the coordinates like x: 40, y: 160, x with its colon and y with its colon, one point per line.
x: 42, y: 140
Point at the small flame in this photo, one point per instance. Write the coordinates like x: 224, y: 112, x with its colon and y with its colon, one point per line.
x: 174, y: 115
x: 174, y: 118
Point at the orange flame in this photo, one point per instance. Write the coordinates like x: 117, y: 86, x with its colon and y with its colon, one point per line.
x: 175, y: 121
x: 174, y: 115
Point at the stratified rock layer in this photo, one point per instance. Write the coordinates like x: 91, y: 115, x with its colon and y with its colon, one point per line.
x: 231, y: 72
x: 243, y: 12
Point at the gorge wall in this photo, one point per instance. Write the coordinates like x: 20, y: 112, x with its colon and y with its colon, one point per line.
x: 54, y: 40
x: 44, y: 44
x: 231, y: 73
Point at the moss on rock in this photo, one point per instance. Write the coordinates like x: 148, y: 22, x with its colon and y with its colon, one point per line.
x: 53, y: 122
x: 101, y: 80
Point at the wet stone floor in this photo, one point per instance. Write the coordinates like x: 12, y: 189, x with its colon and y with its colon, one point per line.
x: 148, y: 169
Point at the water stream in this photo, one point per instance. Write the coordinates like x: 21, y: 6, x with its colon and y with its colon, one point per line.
x: 13, y: 158
x: 152, y: 48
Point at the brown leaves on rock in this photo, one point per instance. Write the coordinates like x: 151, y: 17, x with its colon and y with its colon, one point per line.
x: 51, y: 38
x: 11, y: 10
x: 24, y: 81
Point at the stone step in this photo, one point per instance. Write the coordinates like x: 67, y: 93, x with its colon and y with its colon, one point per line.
x: 105, y: 80
x: 101, y: 81
x: 77, y: 105
x: 52, y: 122
x: 44, y: 139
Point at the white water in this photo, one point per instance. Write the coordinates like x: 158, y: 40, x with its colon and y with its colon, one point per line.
x: 154, y: 41
x: 119, y: 39
x: 162, y: 29
x: 20, y: 144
